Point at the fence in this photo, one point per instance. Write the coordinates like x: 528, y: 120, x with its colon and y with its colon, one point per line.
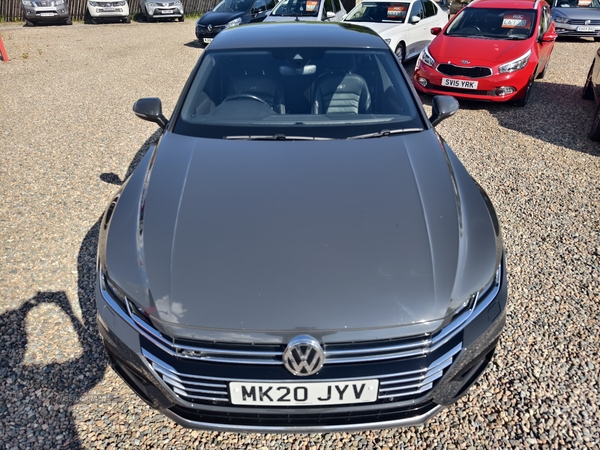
x: 10, y: 10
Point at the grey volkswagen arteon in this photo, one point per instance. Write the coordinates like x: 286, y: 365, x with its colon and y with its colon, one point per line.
x: 301, y: 251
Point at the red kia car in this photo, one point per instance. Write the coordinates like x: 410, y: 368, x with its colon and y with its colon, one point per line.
x: 491, y: 50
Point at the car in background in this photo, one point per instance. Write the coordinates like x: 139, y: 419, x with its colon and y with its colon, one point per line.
x: 107, y: 11
x: 307, y: 11
x: 46, y: 11
x: 404, y: 25
x: 301, y: 251
x: 231, y: 13
x: 153, y: 10
x: 577, y: 18
x: 492, y: 50
x: 591, y: 91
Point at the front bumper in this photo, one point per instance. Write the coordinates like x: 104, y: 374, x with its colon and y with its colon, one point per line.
x: 109, y: 11
x: 203, y: 34
x: 195, y: 393
x: 569, y: 30
x: 488, y: 87
x: 46, y: 14
x: 168, y: 10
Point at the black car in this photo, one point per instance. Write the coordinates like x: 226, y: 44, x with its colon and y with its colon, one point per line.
x: 230, y: 13
x: 591, y: 91
x: 301, y: 251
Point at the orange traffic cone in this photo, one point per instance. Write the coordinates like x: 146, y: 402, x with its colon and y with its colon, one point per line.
x: 3, y: 50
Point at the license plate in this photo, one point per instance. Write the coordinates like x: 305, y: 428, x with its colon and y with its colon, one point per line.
x: 299, y: 394
x: 592, y: 29
x: 207, y: 40
x: 168, y: 11
x: 461, y: 84
x: 47, y: 14
x: 109, y: 9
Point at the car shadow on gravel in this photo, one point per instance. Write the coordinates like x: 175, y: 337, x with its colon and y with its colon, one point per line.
x: 195, y: 44
x: 555, y: 113
x: 36, y: 400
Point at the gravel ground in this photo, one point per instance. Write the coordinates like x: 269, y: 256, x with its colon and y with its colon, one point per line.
x: 67, y: 135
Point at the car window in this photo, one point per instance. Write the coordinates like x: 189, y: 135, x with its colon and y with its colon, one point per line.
x: 271, y: 4
x: 297, y: 92
x: 429, y: 7
x: 417, y: 10
x: 494, y: 23
x: 576, y: 4
x: 336, y: 3
x: 233, y: 5
x: 328, y: 6
x: 301, y: 8
x: 259, y: 5
x: 393, y: 12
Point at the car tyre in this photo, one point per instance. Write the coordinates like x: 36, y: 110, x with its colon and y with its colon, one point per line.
x: 588, y: 89
x: 594, y: 133
x: 127, y: 20
x: 523, y: 101
x: 69, y: 21
x: 181, y: 19
x: 29, y: 23
x: 400, y: 52
x: 542, y: 74
x: 597, y: 39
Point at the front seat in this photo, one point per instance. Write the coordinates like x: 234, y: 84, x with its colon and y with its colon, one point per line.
x: 341, y: 93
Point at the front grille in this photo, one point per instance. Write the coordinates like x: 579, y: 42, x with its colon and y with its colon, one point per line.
x: 201, y: 29
x: 464, y: 91
x: 398, y: 386
x: 583, y: 22
x: 44, y: 3
x: 281, y: 419
x: 471, y: 72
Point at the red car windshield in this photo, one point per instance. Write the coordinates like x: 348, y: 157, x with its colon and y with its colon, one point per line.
x: 493, y: 23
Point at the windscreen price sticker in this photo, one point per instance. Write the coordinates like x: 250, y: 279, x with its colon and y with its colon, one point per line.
x: 515, y: 21
x: 311, y: 6
x: 396, y: 12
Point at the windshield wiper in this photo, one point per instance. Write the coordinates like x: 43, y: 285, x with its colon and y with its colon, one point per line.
x: 276, y: 137
x: 384, y: 133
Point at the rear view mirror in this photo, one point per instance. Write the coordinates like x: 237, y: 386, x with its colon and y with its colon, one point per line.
x: 436, y: 30
x: 442, y: 107
x: 150, y: 109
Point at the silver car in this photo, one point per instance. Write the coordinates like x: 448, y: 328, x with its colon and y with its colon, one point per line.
x: 46, y: 11
x: 577, y: 18
x: 301, y: 251
x: 153, y: 10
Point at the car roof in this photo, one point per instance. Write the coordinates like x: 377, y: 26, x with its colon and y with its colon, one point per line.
x: 505, y: 4
x: 297, y: 34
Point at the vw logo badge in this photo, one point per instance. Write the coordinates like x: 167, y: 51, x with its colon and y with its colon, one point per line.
x: 209, y: 27
x: 587, y: 22
x: 303, y: 356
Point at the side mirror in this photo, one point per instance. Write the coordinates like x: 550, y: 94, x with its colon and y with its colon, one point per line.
x: 415, y: 19
x: 442, y: 107
x: 549, y: 36
x: 330, y: 14
x: 150, y: 109
x: 435, y: 31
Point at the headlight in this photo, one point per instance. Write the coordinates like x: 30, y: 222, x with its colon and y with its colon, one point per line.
x: 151, y: 4
x: 426, y: 57
x: 517, y: 64
x: 59, y: 2
x: 234, y: 23
x: 470, y: 302
x: 27, y: 3
x: 561, y: 20
x: 121, y: 4
x: 94, y: 3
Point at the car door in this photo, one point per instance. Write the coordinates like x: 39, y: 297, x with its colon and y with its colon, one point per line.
x: 544, y: 49
x: 417, y: 29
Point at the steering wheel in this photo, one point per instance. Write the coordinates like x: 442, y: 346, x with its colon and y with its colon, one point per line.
x: 250, y: 96
x: 472, y: 27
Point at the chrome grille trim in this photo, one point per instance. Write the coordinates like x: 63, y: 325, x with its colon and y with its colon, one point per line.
x: 214, y: 389
x: 378, y: 352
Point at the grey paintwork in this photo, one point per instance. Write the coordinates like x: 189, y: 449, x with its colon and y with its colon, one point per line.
x: 576, y: 13
x: 259, y: 241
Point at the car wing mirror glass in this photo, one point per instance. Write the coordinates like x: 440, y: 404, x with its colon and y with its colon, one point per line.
x: 150, y: 109
x: 442, y: 107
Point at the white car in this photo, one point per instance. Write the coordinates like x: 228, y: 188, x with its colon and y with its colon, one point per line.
x: 114, y: 10
x: 405, y: 26
x: 307, y: 11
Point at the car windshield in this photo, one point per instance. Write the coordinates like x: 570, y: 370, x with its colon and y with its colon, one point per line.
x: 576, y: 4
x: 292, y: 8
x: 233, y: 6
x: 298, y: 93
x: 493, y: 23
x: 379, y: 12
